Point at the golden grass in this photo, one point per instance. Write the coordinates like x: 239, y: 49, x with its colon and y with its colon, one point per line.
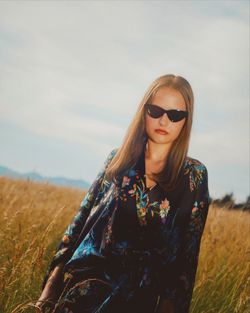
x: 33, y: 217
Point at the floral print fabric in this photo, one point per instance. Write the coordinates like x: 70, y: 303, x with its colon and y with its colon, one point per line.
x: 144, y: 241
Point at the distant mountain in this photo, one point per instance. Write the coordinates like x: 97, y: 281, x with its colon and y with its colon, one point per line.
x: 58, y: 180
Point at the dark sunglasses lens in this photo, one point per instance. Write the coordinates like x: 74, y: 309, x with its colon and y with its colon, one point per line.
x: 176, y: 116
x: 154, y: 111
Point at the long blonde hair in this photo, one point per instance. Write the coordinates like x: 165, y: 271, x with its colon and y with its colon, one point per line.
x: 136, y: 137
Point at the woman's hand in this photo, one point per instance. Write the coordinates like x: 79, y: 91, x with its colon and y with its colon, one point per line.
x: 165, y: 306
x: 51, y: 291
x: 48, y: 297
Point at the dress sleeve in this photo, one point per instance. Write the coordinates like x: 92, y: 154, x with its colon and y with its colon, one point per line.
x: 198, y: 202
x: 65, y: 248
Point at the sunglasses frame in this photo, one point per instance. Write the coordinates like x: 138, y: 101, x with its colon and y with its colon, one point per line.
x: 184, y: 114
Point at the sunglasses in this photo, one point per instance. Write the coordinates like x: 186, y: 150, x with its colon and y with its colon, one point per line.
x: 174, y: 115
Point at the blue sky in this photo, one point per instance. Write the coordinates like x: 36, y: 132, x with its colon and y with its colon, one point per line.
x: 72, y: 74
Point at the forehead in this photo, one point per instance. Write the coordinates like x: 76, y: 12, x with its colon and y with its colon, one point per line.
x: 169, y: 98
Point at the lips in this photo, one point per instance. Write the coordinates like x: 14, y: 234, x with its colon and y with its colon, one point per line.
x: 162, y: 132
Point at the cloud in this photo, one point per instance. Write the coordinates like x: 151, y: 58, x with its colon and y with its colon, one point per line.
x: 77, y: 71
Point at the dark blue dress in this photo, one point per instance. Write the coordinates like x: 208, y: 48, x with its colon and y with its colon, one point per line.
x: 129, y: 245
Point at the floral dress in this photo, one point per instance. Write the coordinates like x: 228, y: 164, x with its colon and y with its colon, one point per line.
x: 128, y: 246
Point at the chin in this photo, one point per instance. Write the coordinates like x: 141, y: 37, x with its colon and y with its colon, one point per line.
x: 160, y: 140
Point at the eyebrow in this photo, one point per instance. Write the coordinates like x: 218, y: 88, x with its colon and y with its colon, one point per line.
x: 167, y: 109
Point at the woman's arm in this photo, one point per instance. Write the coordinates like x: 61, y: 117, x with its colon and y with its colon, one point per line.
x: 51, y: 291
x: 65, y: 247
x: 191, y: 244
x: 197, y: 202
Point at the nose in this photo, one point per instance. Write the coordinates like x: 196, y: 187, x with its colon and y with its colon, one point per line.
x: 164, y: 120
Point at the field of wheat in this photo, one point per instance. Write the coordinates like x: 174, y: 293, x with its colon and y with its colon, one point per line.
x: 33, y: 217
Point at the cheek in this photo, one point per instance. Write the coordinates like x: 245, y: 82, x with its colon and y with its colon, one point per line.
x: 178, y: 127
x: 150, y: 123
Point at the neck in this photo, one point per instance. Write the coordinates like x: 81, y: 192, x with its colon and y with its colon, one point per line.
x: 156, y: 152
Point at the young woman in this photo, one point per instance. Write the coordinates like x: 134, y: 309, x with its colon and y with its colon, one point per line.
x: 134, y: 244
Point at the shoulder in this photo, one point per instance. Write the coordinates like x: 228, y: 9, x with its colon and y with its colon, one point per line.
x: 114, y: 151
x: 196, y: 172
x: 192, y: 164
x: 111, y: 155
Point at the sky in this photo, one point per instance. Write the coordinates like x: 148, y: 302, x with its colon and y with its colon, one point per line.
x: 72, y: 74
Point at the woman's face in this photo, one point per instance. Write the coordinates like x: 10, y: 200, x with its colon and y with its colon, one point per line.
x: 167, y: 98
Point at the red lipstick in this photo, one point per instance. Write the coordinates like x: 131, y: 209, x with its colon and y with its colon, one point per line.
x: 161, y: 131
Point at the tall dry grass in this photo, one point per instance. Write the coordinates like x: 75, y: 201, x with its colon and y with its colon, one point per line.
x: 33, y: 217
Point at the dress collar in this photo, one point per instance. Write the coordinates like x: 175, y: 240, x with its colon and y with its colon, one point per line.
x: 140, y: 165
x: 141, y: 170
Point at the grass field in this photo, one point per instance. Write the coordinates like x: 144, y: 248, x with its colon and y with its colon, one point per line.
x: 34, y: 216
